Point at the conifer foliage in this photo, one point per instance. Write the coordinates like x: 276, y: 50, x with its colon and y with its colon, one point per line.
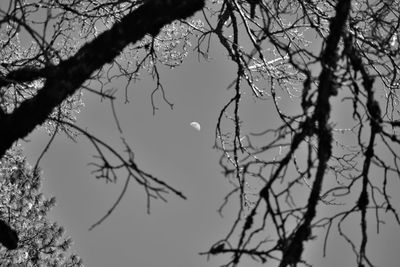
x: 23, y: 212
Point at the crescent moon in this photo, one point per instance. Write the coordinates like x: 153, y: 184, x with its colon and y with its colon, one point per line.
x: 195, y: 125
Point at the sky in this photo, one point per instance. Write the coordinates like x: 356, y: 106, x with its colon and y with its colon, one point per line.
x: 165, y: 145
x: 168, y: 147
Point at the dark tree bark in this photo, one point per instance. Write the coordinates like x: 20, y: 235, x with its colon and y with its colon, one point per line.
x: 64, y: 79
x: 292, y: 254
x: 8, y: 236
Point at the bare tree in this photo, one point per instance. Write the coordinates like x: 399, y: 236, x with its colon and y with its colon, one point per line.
x: 308, y: 59
x: 314, y: 53
x: 41, y: 82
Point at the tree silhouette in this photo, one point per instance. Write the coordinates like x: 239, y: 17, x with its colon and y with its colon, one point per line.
x: 45, y: 75
x: 23, y: 207
x: 328, y: 68
x: 314, y: 53
x: 9, y: 237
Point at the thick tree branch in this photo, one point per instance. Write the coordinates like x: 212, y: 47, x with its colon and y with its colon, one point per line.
x: 64, y: 79
x: 292, y: 253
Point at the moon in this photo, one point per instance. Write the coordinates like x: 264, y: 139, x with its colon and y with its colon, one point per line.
x: 195, y: 125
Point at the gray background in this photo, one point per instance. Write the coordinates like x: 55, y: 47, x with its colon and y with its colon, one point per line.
x: 168, y: 147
